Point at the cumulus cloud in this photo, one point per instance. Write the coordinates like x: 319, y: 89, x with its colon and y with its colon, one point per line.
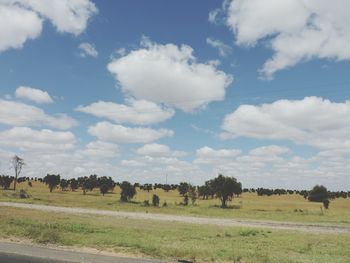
x: 139, y: 112
x: 20, y: 114
x: 169, y: 74
x: 313, y: 121
x: 99, y: 149
x: 109, y: 132
x: 17, y: 25
x: 158, y: 150
x: 223, y: 49
x: 21, y: 20
x: 27, y: 139
x: 207, y: 155
x: 36, y: 95
x: 317, y: 29
x: 88, y: 50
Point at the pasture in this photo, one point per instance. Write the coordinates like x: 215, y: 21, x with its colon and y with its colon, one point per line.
x: 248, y: 206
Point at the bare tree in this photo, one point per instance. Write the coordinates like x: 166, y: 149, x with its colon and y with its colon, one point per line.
x: 17, y: 164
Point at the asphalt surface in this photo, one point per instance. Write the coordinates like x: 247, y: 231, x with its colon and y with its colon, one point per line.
x: 232, y: 222
x: 22, y: 253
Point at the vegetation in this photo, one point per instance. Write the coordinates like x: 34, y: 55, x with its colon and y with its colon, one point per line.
x: 128, y: 191
x: 289, y: 205
x: 52, y: 181
x: 225, y: 188
x: 175, y: 241
x: 17, y: 164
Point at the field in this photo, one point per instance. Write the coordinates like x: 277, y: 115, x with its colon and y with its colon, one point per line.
x: 282, y: 208
x: 171, y: 241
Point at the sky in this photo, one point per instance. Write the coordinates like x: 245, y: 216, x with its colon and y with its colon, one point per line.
x: 171, y: 91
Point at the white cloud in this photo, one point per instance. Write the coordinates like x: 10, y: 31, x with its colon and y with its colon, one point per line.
x: 88, y: 50
x: 158, y: 150
x: 17, y: 25
x: 223, y: 49
x: 140, y: 112
x: 20, y: 114
x: 100, y: 149
x: 36, y: 95
x: 313, y: 121
x: 269, y: 150
x: 207, y: 155
x: 317, y: 29
x: 169, y: 74
x: 109, y: 132
x: 27, y: 139
x: 21, y: 20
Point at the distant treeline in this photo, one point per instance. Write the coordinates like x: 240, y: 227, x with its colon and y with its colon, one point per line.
x: 107, y: 184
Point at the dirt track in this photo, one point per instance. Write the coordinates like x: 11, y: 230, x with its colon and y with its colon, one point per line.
x: 327, y: 229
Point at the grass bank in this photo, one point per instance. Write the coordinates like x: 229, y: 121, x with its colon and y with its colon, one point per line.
x: 175, y: 240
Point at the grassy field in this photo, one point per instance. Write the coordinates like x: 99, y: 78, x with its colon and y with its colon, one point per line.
x: 249, y: 205
x: 175, y: 241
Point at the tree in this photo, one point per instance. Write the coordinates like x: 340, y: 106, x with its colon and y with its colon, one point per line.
x: 318, y: 194
x: 73, y: 183
x: 128, y: 191
x: 225, y: 188
x: 6, y: 181
x: 155, y: 200
x: 192, y: 194
x: 17, y: 164
x: 64, y: 184
x: 104, y: 188
x: 183, y: 188
x: 52, y: 181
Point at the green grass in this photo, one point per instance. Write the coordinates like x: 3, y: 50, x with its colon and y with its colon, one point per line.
x: 250, y: 206
x: 174, y: 240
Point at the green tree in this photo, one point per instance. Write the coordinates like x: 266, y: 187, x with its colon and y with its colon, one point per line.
x: 318, y: 194
x: 225, y: 188
x: 155, y: 200
x: 128, y: 191
x: 183, y: 188
x: 52, y: 181
x: 64, y: 184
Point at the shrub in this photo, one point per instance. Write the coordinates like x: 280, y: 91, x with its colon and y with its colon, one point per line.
x: 23, y: 194
x: 155, y: 200
x: 128, y: 191
x: 318, y: 194
x: 326, y: 203
x: 52, y: 181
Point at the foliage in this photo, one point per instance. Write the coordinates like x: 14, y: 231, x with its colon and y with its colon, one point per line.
x: 6, y: 181
x: 318, y: 194
x: 183, y: 188
x: 52, y: 181
x: 155, y: 200
x: 64, y: 184
x: 128, y: 191
x: 192, y: 194
x: 225, y: 188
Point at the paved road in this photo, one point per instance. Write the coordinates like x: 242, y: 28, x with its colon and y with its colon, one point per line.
x: 315, y: 228
x: 20, y: 253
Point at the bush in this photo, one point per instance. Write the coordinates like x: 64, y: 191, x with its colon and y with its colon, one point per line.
x: 23, y: 194
x: 326, y: 203
x: 318, y: 194
x: 146, y: 203
x: 128, y: 191
x: 155, y: 200
x: 165, y: 204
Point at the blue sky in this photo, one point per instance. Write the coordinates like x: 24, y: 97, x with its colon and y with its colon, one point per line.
x: 137, y: 90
